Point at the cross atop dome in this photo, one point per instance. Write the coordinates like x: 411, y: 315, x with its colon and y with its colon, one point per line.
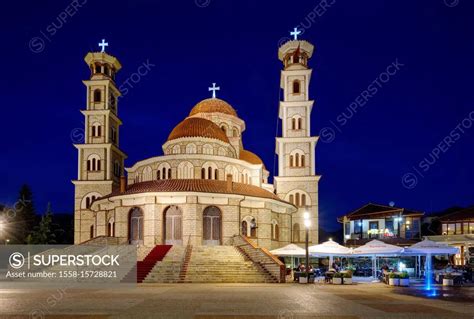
x: 295, y: 33
x: 214, y: 88
x: 103, y: 44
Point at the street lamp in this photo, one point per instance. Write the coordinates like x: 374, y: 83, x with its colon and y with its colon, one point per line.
x: 307, y: 225
x: 7, y: 241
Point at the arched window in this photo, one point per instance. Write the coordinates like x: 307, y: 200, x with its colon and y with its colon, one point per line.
x: 97, y: 95
x: 98, y: 68
x: 91, y: 234
x: 292, y: 199
x: 216, y: 174
x: 224, y: 128
x: 106, y: 69
x: 203, y: 173
x: 235, y: 132
x: 277, y: 232
x: 296, y: 233
x: 207, y: 149
x: 117, y: 169
x: 250, y: 224
x: 303, y: 200
x: 221, y: 151
x: 93, y: 163
x: 135, y: 222
x: 296, y: 87
x: 291, y: 161
x: 300, y: 123
x: 88, y: 199
x: 113, y: 101
x: 96, y: 129
x: 302, y: 161
x: 209, y: 172
x: 176, y: 149
x: 158, y: 174
x: 244, y: 228
x: 297, y: 159
x: 190, y: 149
x: 293, y: 124
x: 274, y: 230
x: 232, y: 170
x: 185, y: 170
x: 297, y: 199
x: 165, y: 170
x: 147, y: 174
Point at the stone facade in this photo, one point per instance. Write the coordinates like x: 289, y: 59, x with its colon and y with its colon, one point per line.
x: 158, y: 201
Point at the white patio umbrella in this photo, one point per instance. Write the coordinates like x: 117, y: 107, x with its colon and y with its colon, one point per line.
x: 429, y: 248
x: 376, y: 248
x: 290, y: 250
x: 329, y: 249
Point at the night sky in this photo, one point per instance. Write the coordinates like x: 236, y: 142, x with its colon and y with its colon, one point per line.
x: 416, y: 122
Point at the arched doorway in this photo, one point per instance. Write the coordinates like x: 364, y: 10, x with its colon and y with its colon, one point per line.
x: 173, y: 226
x: 211, y: 230
x: 136, y: 226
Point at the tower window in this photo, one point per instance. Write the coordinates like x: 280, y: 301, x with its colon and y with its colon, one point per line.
x: 296, y: 87
x: 203, y: 173
x: 97, y: 95
x: 158, y: 174
x: 93, y: 163
x: 169, y: 173
x: 300, y: 123
x: 293, y: 124
x: 216, y: 174
x: 291, y: 161
x: 98, y: 68
x: 302, y: 161
x: 106, y: 70
x: 113, y: 102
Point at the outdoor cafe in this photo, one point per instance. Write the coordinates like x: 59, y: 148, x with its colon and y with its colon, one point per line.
x: 426, y: 262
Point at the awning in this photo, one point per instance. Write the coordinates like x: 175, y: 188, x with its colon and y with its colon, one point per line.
x: 329, y: 248
x: 290, y: 250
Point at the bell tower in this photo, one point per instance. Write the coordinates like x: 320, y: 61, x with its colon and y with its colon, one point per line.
x: 100, y: 160
x: 297, y: 181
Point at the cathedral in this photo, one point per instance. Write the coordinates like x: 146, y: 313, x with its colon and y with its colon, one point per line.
x: 206, y: 187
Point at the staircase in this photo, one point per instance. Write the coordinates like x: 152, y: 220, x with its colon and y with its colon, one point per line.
x: 222, y: 264
x: 169, y: 269
x: 144, y: 267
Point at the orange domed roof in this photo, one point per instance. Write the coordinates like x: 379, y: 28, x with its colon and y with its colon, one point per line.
x: 250, y: 157
x: 198, y: 127
x: 213, y: 105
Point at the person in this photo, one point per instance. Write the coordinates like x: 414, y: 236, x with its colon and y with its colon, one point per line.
x: 335, y: 267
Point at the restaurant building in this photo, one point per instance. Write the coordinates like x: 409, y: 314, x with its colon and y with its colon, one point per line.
x: 457, y: 229
x: 390, y: 224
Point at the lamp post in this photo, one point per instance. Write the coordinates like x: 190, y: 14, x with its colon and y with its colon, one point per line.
x: 307, y: 225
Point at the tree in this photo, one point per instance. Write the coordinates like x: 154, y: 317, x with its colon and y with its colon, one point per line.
x: 46, y: 232
x: 24, y: 215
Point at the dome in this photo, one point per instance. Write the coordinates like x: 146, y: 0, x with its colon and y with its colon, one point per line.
x: 213, y: 105
x: 198, y: 127
x: 250, y: 157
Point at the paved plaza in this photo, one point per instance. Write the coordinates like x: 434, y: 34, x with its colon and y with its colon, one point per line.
x: 284, y: 301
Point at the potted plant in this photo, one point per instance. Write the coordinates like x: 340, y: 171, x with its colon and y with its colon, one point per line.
x: 393, y: 279
x: 337, y: 279
x: 347, y: 278
x: 448, y: 280
x: 404, y: 279
x: 302, y: 279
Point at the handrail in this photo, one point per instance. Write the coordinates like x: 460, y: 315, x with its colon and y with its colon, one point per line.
x: 269, y: 254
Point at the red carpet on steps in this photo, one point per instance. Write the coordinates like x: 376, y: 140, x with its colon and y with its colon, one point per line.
x: 156, y: 254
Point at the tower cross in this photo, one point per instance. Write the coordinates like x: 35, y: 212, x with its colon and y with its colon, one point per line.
x: 103, y: 44
x: 295, y: 33
x: 214, y: 88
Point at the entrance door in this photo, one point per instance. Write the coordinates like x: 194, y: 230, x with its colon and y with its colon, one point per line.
x: 173, y: 226
x: 211, y: 226
x: 136, y: 226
